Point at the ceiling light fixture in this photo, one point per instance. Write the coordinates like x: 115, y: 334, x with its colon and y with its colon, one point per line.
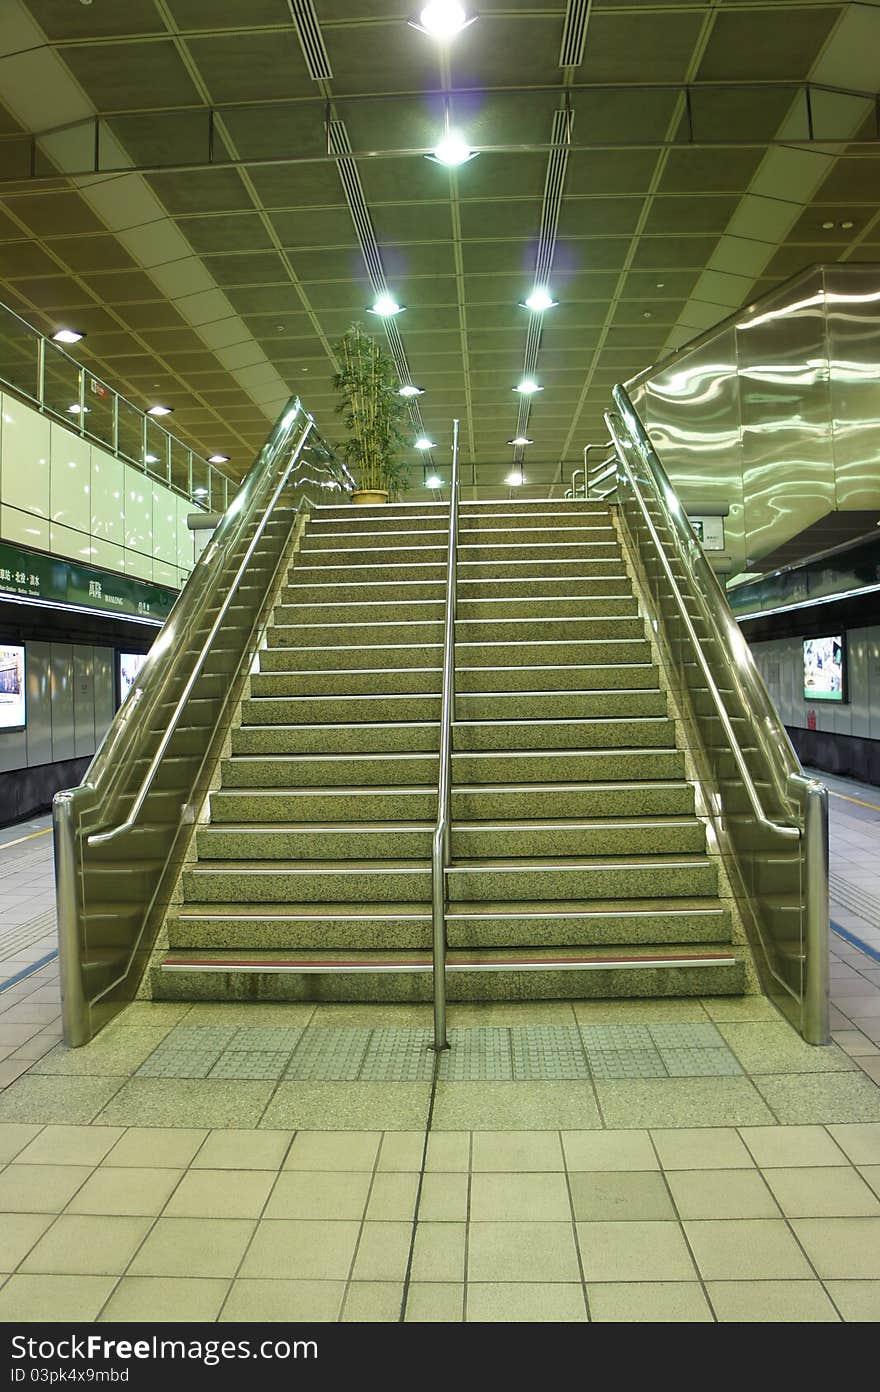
x: 386, y: 307
x: 410, y: 390
x: 528, y: 387
x: 452, y: 150
x: 75, y: 409
x: 200, y: 492
x: 433, y: 481
x: 67, y: 336
x: 442, y: 19
x: 515, y: 479
x: 520, y: 440
x: 423, y: 443
x: 539, y: 300
x: 159, y: 410
x: 151, y: 459
x: 218, y: 458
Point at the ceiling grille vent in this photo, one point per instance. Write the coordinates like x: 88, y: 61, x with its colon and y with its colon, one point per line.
x: 574, y: 33
x: 312, y: 40
x: 554, y: 185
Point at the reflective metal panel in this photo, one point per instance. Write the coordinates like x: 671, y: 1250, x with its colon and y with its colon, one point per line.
x: 39, y: 704
x: 852, y: 300
x: 61, y: 696
x: 83, y: 702
x: 104, y: 680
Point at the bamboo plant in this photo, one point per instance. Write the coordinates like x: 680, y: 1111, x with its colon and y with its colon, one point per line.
x: 373, y: 413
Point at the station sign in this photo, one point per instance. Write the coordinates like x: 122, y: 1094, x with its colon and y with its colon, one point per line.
x: 49, y: 579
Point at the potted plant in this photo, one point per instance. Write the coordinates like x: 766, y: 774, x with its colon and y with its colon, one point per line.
x: 373, y: 412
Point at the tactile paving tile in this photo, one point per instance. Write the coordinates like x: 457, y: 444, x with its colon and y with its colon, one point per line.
x: 545, y: 1052
x: 201, y: 1036
x: 329, y: 1056
x: 265, y: 1038
x: 616, y: 1037
x: 625, y: 1063
x: 180, y: 1063
x: 477, y: 1055
x: 700, y: 1063
x: 399, y: 1056
x: 251, y: 1064
x: 686, y: 1036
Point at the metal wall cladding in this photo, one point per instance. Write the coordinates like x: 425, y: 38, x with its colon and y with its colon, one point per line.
x: 692, y: 413
x: 83, y: 702
x: 39, y: 704
x: 781, y: 663
x: 776, y: 411
x: 71, y: 701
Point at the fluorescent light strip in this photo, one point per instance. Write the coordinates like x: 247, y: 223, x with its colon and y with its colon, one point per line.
x: 808, y: 603
x: 79, y: 609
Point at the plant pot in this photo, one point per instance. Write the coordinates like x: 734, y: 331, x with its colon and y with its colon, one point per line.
x: 369, y: 497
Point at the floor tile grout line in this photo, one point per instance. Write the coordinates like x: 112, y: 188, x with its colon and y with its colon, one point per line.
x: 574, y: 1229
x: 120, y: 1278
x: 407, y: 1276
x: 349, y: 1279
x: 682, y: 1229
x: 271, y: 1190
x: 465, y: 1275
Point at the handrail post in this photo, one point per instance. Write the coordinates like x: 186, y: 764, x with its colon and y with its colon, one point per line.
x: 74, y: 1011
x: 441, y: 841
x: 817, y: 967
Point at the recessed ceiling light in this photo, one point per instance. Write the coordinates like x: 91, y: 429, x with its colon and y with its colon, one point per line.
x: 75, y: 409
x: 386, y: 307
x: 442, y: 19
x: 827, y: 226
x: 151, y: 459
x: 539, y: 300
x: 660, y: 284
x: 647, y: 314
x: 847, y: 225
x: 410, y: 390
x: 159, y: 410
x: 200, y: 492
x: 433, y: 481
x: 452, y: 150
x: 218, y: 458
x: 424, y: 443
x: 515, y: 478
x: 520, y: 440
x: 527, y: 387
x: 67, y: 336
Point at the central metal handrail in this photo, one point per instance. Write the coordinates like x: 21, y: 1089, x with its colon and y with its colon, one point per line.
x: 440, y: 844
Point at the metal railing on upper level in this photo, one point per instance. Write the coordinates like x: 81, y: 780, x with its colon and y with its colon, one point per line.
x: 440, y: 844
x: 39, y: 371
x: 120, y: 838
x: 770, y: 820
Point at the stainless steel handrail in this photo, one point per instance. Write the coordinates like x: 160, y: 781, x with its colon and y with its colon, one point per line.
x: 99, y: 837
x: 778, y: 828
x: 105, y: 944
x: 809, y: 823
x: 440, y: 843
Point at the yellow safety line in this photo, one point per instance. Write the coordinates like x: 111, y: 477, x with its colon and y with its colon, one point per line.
x: 846, y: 798
x: 4, y: 845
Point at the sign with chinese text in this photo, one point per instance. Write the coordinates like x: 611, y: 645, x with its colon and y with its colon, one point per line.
x: 32, y: 575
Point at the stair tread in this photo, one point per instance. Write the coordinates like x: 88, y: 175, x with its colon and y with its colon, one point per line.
x: 411, y: 867
x: 461, y: 908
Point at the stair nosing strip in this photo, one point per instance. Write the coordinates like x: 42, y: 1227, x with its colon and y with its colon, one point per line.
x: 345, y: 968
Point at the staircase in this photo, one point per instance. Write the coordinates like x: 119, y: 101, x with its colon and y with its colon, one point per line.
x: 579, y: 866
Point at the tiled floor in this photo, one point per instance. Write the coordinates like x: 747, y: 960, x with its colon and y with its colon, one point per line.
x: 620, y: 1161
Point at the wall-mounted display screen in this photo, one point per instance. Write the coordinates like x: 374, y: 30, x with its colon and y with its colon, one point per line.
x: 824, y: 671
x: 129, y: 666
x: 12, y: 688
